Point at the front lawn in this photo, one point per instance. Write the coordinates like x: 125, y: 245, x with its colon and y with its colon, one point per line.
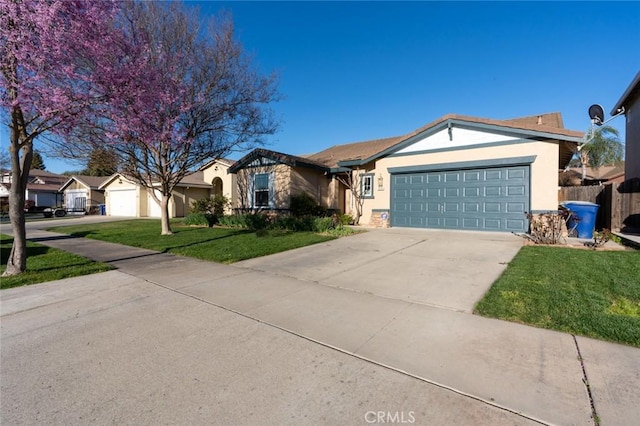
x: 223, y: 245
x: 585, y: 292
x: 45, y: 264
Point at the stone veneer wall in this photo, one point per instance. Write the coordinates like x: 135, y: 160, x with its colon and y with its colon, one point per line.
x: 377, y: 220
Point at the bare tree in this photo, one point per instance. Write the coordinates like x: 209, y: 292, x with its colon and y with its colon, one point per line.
x: 214, y: 101
x: 354, y: 181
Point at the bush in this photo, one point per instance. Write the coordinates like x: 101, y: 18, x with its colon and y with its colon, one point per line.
x: 257, y: 221
x: 200, y: 219
x: 203, y: 205
x: 233, y: 221
x: 323, y: 224
x: 304, y: 205
x: 299, y: 224
x: 345, y: 219
x: 219, y: 205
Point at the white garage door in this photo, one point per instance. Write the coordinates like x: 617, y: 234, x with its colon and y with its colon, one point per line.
x: 122, y: 203
x: 154, y: 207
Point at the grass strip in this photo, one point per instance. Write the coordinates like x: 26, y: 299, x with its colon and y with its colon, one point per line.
x: 584, y: 292
x: 45, y: 264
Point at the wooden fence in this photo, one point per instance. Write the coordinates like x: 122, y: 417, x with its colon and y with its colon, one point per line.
x: 619, y: 203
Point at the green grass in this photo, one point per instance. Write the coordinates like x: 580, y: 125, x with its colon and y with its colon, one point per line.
x: 584, y: 292
x: 45, y: 264
x: 223, y: 245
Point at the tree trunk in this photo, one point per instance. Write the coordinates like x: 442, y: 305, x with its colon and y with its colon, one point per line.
x: 164, y: 215
x: 17, y: 262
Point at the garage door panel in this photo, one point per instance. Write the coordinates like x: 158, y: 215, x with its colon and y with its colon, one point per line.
x: 400, y: 180
x: 492, y: 191
x: 433, y: 207
x: 516, y: 173
x: 493, y: 199
x: 471, y: 176
x: 416, y: 207
x: 492, y: 207
x: 471, y: 192
x: 516, y: 208
x: 452, y: 177
x: 493, y: 175
x: 515, y: 224
x: 516, y: 190
x: 122, y: 203
x: 471, y: 223
x: 471, y: 207
x: 492, y: 224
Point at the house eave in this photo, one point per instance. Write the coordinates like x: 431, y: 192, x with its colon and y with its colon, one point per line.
x: 452, y: 123
x: 633, y: 88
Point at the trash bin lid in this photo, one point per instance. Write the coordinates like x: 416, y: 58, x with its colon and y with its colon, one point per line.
x: 578, y: 203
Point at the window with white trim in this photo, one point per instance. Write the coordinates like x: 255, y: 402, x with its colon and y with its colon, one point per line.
x: 366, y: 189
x: 261, y: 190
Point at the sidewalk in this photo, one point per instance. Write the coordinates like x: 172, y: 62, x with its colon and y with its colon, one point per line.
x: 534, y: 372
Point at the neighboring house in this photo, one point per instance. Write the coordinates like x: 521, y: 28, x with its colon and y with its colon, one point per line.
x: 457, y: 172
x: 82, y: 194
x: 222, y: 182
x: 603, y: 175
x: 42, y: 187
x: 124, y: 197
x: 630, y: 101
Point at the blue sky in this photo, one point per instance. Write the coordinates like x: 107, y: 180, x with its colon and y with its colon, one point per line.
x: 353, y: 71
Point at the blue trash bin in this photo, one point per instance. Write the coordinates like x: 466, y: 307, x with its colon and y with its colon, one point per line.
x: 583, y: 217
x: 103, y: 209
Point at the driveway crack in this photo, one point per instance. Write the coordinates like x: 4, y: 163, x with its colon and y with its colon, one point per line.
x: 395, y: 317
x: 585, y: 380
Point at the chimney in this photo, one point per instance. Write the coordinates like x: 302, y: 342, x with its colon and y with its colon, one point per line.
x: 539, y: 119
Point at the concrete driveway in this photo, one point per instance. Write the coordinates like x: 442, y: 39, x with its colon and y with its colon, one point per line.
x: 447, y: 269
x: 172, y: 340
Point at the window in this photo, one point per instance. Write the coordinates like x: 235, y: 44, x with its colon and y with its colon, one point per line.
x: 367, y: 186
x: 261, y: 190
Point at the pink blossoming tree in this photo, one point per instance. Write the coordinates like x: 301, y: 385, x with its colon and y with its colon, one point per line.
x: 51, y: 53
x: 203, y: 100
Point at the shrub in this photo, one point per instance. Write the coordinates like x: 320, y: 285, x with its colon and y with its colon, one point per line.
x: 233, y: 221
x: 345, y: 219
x: 219, y: 205
x: 257, y: 221
x: 323, y: 224
x: 303, y: 205
x: 299, y: 224
x: 203, y: 205
x: 200, y: 219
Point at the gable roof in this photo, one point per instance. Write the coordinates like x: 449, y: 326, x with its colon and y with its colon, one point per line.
x: 224, y: 161
x: 194, y: 179
x: 278, y: 157
x: 548, y: 125
x: 632, y: 91
x: 91, y: 182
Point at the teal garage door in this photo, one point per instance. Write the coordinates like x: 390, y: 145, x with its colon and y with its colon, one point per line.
x: 486, y: 199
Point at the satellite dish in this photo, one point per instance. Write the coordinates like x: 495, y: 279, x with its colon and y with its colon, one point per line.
x: 596, y: 113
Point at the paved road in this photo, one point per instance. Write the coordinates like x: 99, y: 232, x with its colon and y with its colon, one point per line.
x: 174, y: 340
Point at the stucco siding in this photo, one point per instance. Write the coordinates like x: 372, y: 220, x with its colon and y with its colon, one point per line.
x: 311, y: 182
x: 193, y: 194
x: 229, y: 186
